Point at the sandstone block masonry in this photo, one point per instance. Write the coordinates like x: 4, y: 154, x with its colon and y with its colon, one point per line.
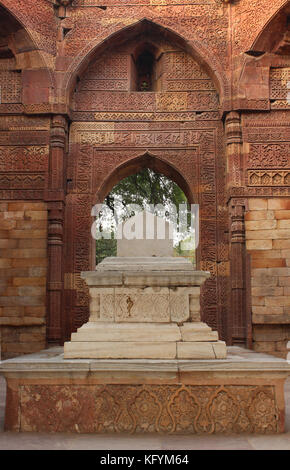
x: 23, y: 265
x: 268, y: 242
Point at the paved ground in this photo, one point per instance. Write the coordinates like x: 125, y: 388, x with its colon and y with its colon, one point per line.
x: 61, y: 441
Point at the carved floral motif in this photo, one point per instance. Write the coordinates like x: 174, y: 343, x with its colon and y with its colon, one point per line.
x: 149, y: 408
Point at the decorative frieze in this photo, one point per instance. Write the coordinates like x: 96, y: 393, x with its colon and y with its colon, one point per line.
x: 269, y: 177
x: 168, y: 408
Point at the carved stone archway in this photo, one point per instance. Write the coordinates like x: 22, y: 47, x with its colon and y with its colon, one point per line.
x: 176, y: 130
x: 159, y: 164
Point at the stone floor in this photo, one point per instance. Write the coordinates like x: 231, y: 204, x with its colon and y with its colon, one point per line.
x: 61, y: 441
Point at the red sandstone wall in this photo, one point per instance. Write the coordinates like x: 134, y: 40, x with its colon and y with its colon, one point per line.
x: 23, y: 265
x: 268, y: 241
x: 51, y: 52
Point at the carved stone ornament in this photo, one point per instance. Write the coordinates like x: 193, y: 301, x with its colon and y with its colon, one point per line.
x: 62, y: 5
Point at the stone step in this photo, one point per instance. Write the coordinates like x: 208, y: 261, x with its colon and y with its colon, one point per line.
x: 137, y: 332
x: 198, y: 332
x: 201, y: 350
x: 144, y: 350
x: 119, y: 350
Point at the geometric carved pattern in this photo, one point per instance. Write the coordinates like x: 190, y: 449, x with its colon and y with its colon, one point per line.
x: 269, y: 177
x: 23, y: 158
x: 21, y: 181
x: 269, y: 155
x: 279, y: 80
x: 180, y: 65
x: 175, y: 409
x: 10, y: 86
x: 112, y: 66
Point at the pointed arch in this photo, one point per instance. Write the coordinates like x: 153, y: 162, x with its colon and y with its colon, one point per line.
x: 136, y: 164
x: 273, y: 30
x: 14, y: 24
x: 129, y: 33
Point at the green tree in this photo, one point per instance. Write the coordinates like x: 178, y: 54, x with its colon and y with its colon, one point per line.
x: 147, y: 187
x: 105, y: 247
x: 144, y: 188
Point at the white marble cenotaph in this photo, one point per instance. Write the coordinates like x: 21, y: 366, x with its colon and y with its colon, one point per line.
x: 145, y: 303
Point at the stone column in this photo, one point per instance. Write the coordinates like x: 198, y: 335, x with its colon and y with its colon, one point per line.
x: 234, y: 149
x: 55, y: 200
x: 238, y: 324
x: 238, y: 321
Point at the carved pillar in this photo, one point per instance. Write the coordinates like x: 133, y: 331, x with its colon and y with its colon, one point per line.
x: 234, y: 149
x: 238, y: 324
x: 55, y: 201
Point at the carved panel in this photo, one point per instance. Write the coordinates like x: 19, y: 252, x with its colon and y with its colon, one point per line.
x: 22, y: 181
x: 268, y: 178
x: 175, y: 409
x: 202, y: 100
x: 180, y: 65
x: 142, y: 116
x: 109, y: 66
x: 24, y: 123
x: 102, y: 101
x: 188, y: 85
x: 266, y: 134
x: 24, y: 138
x: 279, y: 88
x: 90, y: 3
x: 171, y: 101
x: 10, y: 86
x: 23, y: 158
x: 97, y: 85
x: 269, y: 155
x: 135, y: 306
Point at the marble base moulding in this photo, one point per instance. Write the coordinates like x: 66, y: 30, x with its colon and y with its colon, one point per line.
x: 243, y: 393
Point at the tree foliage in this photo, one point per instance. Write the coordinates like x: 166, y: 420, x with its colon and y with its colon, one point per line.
x: 147, y: 187
x: 144, y: 189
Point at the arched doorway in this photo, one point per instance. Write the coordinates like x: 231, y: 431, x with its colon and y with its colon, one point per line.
x: 146, y: 190
x: 117, y: 131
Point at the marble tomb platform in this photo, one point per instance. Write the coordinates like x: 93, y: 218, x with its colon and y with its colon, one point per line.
x: 145, y: 362
x: 243, y: 393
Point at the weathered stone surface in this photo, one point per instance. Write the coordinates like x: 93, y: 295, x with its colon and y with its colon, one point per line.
x: 127, y: 332
x: 197, y: 331
x: 269, y: 272
x: 220, y: 350
x: 195, y: 350
x: 120, y: 350
x: 22, y: 293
